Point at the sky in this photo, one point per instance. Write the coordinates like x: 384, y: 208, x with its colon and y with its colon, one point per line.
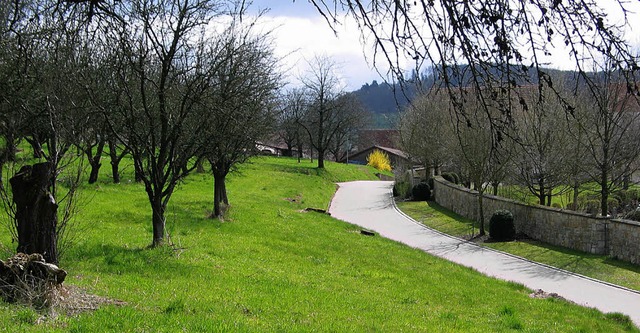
x: 302, y: 33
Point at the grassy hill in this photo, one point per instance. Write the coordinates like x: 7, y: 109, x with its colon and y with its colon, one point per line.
x: 270, y: 266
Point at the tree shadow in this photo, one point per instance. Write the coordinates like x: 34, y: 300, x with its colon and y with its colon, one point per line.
x: 441, y: 210
x: 160, y: 261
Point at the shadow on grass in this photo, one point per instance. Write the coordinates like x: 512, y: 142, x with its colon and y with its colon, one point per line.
x: 160, y: 261
x: 579, y: 261
x: 305, y: 169
x: 441, y: 210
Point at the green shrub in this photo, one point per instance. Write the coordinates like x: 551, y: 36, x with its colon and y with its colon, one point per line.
x: 556, y: 205
x: 431, y: 183
x: 456, y: 177
x: 591, y: 206
x: 501, y: 226
x: 613, y: 204
x: 421, y: 192
x: 633, y: 215
x: 451, y: 177
x: 402, y: 189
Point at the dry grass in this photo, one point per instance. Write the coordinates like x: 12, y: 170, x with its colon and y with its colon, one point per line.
x: 72, y: 300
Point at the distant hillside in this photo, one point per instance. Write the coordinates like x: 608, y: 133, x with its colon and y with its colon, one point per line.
x: 385, y: 100
x: 379, y: 98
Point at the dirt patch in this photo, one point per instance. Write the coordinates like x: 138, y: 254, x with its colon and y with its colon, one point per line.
x: 296, y: 199
x: 72, y: 301
x: 543, y: 294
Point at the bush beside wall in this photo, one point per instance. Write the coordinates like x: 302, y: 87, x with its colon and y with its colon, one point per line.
x: 588, y: 233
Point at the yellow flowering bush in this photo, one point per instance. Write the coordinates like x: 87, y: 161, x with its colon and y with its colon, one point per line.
x: 379, y: 160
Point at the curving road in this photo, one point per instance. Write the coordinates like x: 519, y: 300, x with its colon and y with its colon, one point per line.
x: 370, y: 205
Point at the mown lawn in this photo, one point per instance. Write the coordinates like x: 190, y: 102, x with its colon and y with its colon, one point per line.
x: 596, y: 266
x: 270, y: 267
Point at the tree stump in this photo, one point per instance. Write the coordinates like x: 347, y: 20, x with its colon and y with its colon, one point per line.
x: 36, y: 211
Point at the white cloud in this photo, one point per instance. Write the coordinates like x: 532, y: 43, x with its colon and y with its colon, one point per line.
x: 301, y: 33
x: 301, y: 38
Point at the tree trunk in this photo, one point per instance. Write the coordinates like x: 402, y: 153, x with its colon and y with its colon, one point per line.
x: 37, y: 147
x: 115, y: 161
x: 36, y: 211
x: 94, y: 161
x: 540, y: 193
x: 481, y: 210
x: 158, y: 220
x: 320, y: 159
x: 138, y: 173
x: 626, y: 180
x: 115, y: 171
x: 604, y: 193
x: 549, y: 198
x: 576, y: 192
x: 200, y: 166
x: 219, y: 194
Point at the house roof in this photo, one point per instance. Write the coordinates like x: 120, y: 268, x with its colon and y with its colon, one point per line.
x: 392, y: 151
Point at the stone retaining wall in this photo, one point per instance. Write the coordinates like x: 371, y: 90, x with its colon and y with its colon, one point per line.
x: 617, y: 238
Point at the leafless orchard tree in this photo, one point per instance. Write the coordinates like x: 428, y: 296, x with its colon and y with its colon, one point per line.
x: 354, y: 118
x: 288, y: 123
x: 326, y: 110
x: 608, y: 124
x: 542, y: 162
x: 242, y: 102
x: 167, y: 62
x: 426, y: 131
x: 43, y: 53
x: 481, y: 162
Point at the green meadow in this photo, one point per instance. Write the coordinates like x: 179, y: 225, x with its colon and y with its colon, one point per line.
x: 271, y: 266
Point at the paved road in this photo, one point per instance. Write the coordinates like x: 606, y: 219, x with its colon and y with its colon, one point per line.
x: 369, y: 204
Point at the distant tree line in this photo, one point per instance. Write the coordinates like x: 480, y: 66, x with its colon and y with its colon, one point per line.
x: 546, y: 151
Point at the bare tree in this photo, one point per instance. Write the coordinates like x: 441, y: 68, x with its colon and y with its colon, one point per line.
x: 608, y: 125
x: 425, y: 129
x: 542, y: 162
x: 164, y: 68
x: 242, y: 104
x: 290, y: 129
x: 481, y: 159
x: 325, y: 113
x: 44, y: 52
x: 353, y: 119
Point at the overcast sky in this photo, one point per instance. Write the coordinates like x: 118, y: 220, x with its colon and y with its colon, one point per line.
x: 302, y: 33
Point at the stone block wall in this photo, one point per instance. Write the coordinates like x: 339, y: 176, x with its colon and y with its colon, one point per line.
x: 624, y: 240
x: 618, y: 238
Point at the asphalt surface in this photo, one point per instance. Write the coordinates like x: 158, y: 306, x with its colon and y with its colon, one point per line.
x: 370, y: 204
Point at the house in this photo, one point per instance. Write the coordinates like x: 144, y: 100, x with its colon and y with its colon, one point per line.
x: 396, y: 157
x: 272, y: 149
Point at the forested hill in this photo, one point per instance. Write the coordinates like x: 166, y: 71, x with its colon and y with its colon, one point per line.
x: 380, y: 98
x: 385, y: 98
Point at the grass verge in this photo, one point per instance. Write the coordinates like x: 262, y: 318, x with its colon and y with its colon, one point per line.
x: 273, y: 267
x: 596, y: 266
